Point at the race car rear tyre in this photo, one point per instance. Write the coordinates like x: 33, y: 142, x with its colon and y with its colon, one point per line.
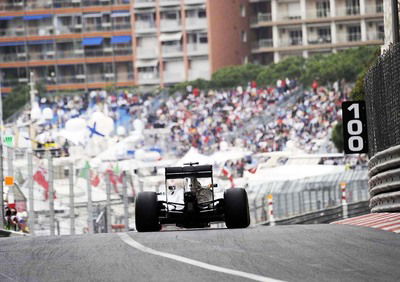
x: 146, y: 212
x: 236, y: 208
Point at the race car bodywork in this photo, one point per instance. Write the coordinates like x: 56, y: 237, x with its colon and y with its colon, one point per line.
x: 199, y: 206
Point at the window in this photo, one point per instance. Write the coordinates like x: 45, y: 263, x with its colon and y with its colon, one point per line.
x: 323, y: 9
x: 354, y: 33
x: 352, y: 7
x: 243, y: 10
x: 296, y: 37
x: 324, y: 34
x: 203, y: 39
x: 244, y: 36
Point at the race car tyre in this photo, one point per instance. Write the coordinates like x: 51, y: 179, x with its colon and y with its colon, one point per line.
x: 146, y: 212
x: 236, y: 208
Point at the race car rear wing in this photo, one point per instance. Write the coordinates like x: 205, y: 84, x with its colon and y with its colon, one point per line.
x: 200, y: 171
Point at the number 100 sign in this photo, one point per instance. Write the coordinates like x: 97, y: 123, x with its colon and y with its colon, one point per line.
x: 355, y: 135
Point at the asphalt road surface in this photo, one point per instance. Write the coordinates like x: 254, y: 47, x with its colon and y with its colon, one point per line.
x: 289, y: 253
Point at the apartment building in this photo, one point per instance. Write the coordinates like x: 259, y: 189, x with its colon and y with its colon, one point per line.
x: 282, y: 28
x: 89, y: 44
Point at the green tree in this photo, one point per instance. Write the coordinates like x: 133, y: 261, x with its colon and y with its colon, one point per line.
x: 18, y: 98
x: 235, y: 75
x: 337, y: 136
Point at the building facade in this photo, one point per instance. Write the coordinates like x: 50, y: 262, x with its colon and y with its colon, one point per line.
x: 89, y: 44
x: 282, y: 28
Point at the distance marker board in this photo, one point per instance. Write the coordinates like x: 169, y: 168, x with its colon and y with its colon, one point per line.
x: 355, y: 136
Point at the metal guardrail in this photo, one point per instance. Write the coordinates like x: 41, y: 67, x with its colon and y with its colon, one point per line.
x: 325, y: 216
x: 9, y: 233
x: 384, y: 182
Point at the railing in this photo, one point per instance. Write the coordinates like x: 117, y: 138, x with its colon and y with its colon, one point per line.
x: 348, y: 37
x: 197, y: 23
x: 374, y: 9
x: 263, y: 43
x: 319, y: 40
x: 142, y: 26
x: 61, y: 29
x: 348, y: 11
x: 173, y: 77
x: 318, y: 13
x: 294, y: 41
x: 169, y: 2
x: 170, y: 24
x: 144, y: 3
x: 195, y: 74
x: 375, y: 35
x: 58, y: 4
x: 151, y: 52
x: 148, y: 77
x: 297, y: 197
x: 197, y: 48
x: 171, y: 49
x: 261, y: 17
x: 285, y: 17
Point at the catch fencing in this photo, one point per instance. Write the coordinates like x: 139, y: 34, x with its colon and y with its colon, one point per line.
x: 382, y: 95
x: 56, y: 196
x: 298, y: 197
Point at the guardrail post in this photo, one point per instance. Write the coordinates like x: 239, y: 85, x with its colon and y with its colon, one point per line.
x: 90, y: 203
x: 31, y: 210
x: 270, y: 208
x: 108, y: 203
x: 71, y: 199
x: 51, y: 192
x: 344, y: 200
x: 125, y: 196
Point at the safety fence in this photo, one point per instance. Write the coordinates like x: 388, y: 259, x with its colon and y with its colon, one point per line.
x: 382, y: 97
x: 298, y: 197
x: 53, y: 195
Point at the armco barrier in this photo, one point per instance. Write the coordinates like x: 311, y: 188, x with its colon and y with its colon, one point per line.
x: 9, y: 233
x: 325, y: 216
x: 384, y: 180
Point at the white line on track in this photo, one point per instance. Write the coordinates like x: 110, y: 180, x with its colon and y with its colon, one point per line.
x: 131, y: 242
x: 8, y: 277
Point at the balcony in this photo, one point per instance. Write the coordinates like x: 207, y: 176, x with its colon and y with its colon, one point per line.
x: 173, y: 77
x: 145, y: 27
x: 192, y: 2
x: 374, y: 9
x: 288, y: 17
x: 195, y: 74
x: 100, y: 77
x: 170, y: 25
x: 260, y: 18
x: 197, y: 49
x: 315, y: 40
x: 348, y: 36
x: 170, y: 2
x: 13, y: 57
x: 196, y: 23
x: 172, y: 50
x: 288, y: 42
x: 348, y: 11
x: 147, y: 53
x: 263, y: 43
x: 27, y: 31
x: 148, y: 78
x: 375, y: 35
x: 144, y: 3
x: 318, y: 13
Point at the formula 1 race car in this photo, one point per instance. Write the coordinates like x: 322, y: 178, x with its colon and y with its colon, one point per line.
x: 198, y: 206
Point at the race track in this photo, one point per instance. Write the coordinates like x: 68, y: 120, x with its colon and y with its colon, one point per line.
x: 289, y: 253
